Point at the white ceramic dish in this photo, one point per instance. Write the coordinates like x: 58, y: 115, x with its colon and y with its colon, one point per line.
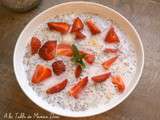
x: 82, y: 7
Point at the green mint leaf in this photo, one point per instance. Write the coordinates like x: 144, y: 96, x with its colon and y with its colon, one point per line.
x: 75, y: 50
x: 77, y: 57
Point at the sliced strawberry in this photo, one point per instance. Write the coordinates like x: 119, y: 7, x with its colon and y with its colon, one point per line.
x: 58, y: 67
x: 93, y: 28
x: 111, y: 36
x: 107, y: 64
x: 101, y: 78
x: 35, y: 45
x: 41, y: 73
x: 77, y: 88
x: 78, y: 71
x: 79, y: 35
x: 111, y: 50
x: 61, y: 27
x: 58, y: 87
x: 77, y: 25
x: 48, y: 50
x: 64, y: 49
x: 89, y: 58
x: 118, y: 82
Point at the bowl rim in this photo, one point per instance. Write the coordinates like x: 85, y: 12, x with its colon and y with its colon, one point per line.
x: 100, y: 111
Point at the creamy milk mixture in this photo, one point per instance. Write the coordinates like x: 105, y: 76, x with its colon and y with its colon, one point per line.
x: 93, y: 95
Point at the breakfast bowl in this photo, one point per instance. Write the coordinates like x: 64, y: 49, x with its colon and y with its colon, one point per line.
x: 98, y: 96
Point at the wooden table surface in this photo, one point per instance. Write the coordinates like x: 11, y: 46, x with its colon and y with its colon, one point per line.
x: 142, y: 104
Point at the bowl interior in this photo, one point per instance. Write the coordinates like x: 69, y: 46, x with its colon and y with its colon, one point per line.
x: 76, y: 7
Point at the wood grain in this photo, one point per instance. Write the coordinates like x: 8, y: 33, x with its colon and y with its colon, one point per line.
x: 142, y: 104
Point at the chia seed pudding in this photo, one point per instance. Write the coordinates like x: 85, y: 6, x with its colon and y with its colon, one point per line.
x: 125, y: 65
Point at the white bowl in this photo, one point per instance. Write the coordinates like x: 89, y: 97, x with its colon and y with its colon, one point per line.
x: 89, y: 7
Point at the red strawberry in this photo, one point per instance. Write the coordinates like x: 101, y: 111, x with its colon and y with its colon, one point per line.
x: 111, y: 50
x: 78, y: 71
x: 79, y: 35
x: 111, y: 36
x: 61, y: 27
x: 101, y: 78
x: 89, y: 58
x: 58, y: 67
x: 77, y: 25
x: 118, y: 82
x: 48, y: 50
x: 64, y: 49
x: 35, y: 45
x: 58, y: 87
x: 77, y: 88
x: 93, y: 28
x: 107, y: 64
x: 41, y: 73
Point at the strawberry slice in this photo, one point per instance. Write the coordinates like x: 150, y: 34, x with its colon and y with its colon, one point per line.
x: 117, y: 80
x: 89, y: 58
x: 64, y: 49
x: 48, y: 50
x: 111, y: 50
x: 41, y: 73
x: 35, y: 45
x: 107, y: 64
x: 101, y: 78
x: 58, y: 67
x: 61, y: 27
x: 79, y: 35
x: 78, y: 87
x: 78, y: 71
x: 77, y: 25
x: 111, y: 36
x: 58, y: 87
x: 93, y: 28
